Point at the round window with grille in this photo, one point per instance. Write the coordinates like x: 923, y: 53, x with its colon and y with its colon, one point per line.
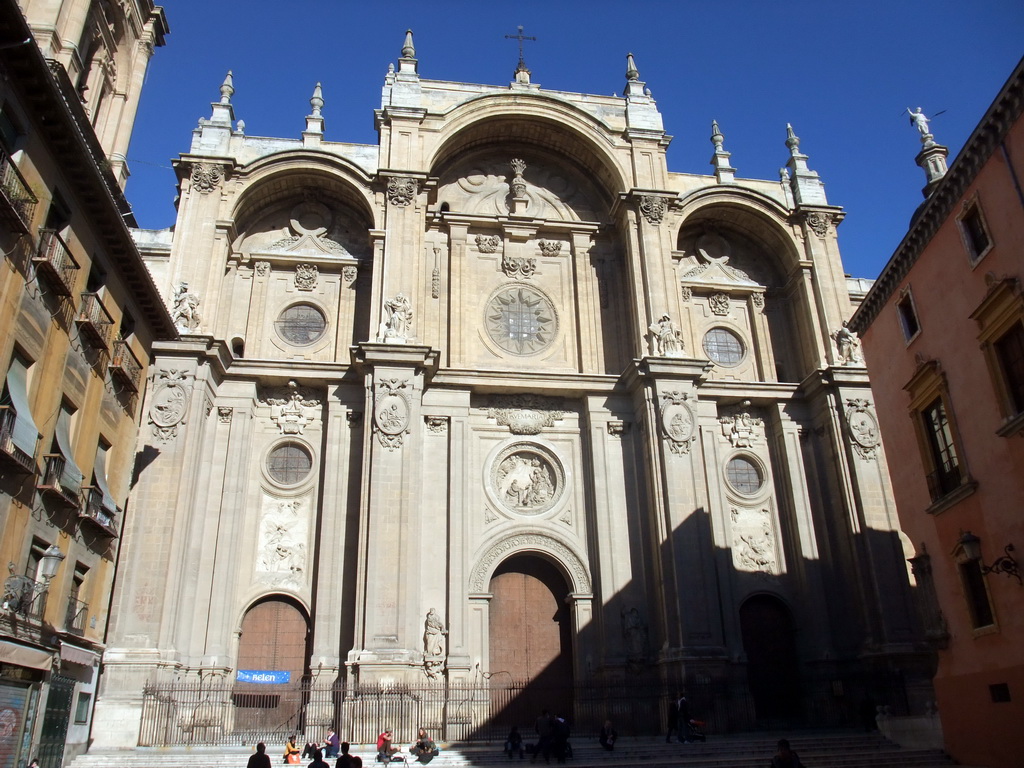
x: 744, y: 475
x: 289, y: 463
x: 521, y: 320
x: 301, y: 324
x: 723, y: 347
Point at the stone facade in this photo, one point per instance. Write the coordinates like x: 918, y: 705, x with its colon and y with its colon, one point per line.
x: 505, y: 338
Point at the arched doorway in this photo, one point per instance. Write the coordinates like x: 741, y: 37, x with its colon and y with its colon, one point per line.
x: 531, y: 636
x: 773, y: 670
x: 273, y: 659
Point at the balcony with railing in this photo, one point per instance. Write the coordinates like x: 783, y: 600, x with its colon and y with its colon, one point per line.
x: 52, y: 481
x: 95, y: 513
x: 8, y: 450
x: 125, y: 366
x: 95, y: 325
x: 78, y: 614
x: 17, y: 203
x: 55, y: 263
x: 944, y: 481
x: 24, y: 597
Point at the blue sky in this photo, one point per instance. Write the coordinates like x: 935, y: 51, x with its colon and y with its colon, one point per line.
x: 841, y: 72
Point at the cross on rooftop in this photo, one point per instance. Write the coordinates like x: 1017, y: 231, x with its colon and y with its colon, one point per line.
x: 520, y: 37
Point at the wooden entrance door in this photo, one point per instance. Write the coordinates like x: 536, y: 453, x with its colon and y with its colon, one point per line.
x: 773, y: 671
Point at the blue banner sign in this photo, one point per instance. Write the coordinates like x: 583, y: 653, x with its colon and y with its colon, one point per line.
x: 268, y: 676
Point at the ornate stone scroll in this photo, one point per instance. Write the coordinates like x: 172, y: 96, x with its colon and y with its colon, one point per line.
x: 291, y: 409
x: 653, y: 208
x: 550, y: 247
x: 170, y: 402
x: 306, y: 276
x: 224, y: 414
x: 741, y: 428
x: 349, y: 274
x: 719, y: 303
x: 391, y: 412
x: 487, y: 243
x: 862, y: 428
x: 818, y: 223
x: 262, y: 268
x: 436, y: 424
x: 206, y: 177
x: 525, y: 414
x: 686, y: 294
x: 519, y: 267
x: 402, y: 190
x: 678, y: 422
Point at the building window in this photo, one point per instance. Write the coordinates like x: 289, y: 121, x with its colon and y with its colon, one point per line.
x: 82, y: 708
x: 978, y: 605
x: 974, y: 232
x: 520, y: 320
x: 1000, y: 318
x: 945, y: 475
x: 289, y: 463
x: 301, y: 324
x: 723, y: 347
x: 907, y: 313
x: 743, y: 475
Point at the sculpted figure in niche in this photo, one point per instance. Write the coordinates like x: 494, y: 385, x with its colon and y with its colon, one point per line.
x: 184, y: 313
x: 847, y: 346
x: 634, y: 632
x: 666, y: 337
x: 433, y: 635
x: 397, y: 328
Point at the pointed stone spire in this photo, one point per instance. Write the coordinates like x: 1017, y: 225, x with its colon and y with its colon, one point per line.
x: 805, y: 183
x: 223, y: 113
x: 632, y: 73
x: 724, y: 173
x: 227, y: 88
x: 407, y: 65
x: 314, y: 121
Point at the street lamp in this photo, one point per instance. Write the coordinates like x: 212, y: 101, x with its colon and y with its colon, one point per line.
x: 49, y: 563
x: 970, y: 545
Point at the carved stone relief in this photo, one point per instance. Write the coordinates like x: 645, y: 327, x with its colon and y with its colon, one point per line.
x: 401, y: 190
x: 526, y: 479
x: 435, y: 275
x: 436, y: 424
x: 185, y: 312
x: 391, y: 413
x: 281, y: 555
x: 206, y: 177
x: 862, y: 427
x: 525, y: 542
x: 519, y: 267
x: 758, y: 299
x: 487, y: 243
x: 819, y: 223
x: 686, y: 293
x: 740, y: 428
x: 397, y: 328
x: 306, y: 277
x: 719, y: 303
x: 678, y: 422
x: 634, y: 634
x: 753, y: 541
x: 653, y: 208
x: 666, y: 338
x: 291, y: 409
x: 525, y: 414
x: 262, y: 268
x: 170, y: 402
x: 550, y: 247
x: 224, y: 414
x: 618, y: 428
x: 349, y: 274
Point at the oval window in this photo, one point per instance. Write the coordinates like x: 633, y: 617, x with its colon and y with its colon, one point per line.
x: 289, y: 463
x: 301, y: 324
x: 723, y: 346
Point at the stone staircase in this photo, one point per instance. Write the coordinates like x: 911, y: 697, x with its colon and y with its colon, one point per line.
x: 832, y: 749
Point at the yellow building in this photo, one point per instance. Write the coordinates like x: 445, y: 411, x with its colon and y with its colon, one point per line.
x: 78, y: 315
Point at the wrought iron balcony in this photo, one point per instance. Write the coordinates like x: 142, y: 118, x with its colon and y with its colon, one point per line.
x: 17, y: 203
x: 95, y: 325
x: 25, y: 597
x: 95, y: 513
x: 54, y: 261
x: 8, y: 449
x: 78, y: 614
x: 125, y: 366
x: 52, y: 481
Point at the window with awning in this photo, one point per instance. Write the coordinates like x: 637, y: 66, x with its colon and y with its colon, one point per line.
x: 25, y: 433
x: 99, y: 472
x: 71, y: 477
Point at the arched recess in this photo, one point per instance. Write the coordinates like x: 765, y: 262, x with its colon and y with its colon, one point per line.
x: 773, y: 668
x: 572, y: 566
x: 274, y: 637
x: 737, y: 244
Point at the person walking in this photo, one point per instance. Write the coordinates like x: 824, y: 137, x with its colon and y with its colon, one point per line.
x: 258, y: 759
x: 786, y: 757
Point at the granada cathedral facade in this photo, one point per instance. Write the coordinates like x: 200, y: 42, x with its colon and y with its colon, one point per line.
x: 501, y: 401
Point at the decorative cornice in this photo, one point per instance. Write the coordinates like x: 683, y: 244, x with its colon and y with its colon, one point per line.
x: 935, y: 211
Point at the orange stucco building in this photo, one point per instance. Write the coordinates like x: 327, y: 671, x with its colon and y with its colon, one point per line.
x: 943, y: 336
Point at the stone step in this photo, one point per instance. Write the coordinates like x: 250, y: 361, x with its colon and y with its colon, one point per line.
x: 822, y: 750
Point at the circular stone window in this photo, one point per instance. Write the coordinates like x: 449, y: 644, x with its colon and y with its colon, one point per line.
x: 520, y: 320
x: 526, y: 479
x: 723, y: 347
x: 744, y: 475
x: 301, y: 324
x: 289, y: 463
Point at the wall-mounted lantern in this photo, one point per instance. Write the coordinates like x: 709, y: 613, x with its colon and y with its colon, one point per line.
x: 970, y: 545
